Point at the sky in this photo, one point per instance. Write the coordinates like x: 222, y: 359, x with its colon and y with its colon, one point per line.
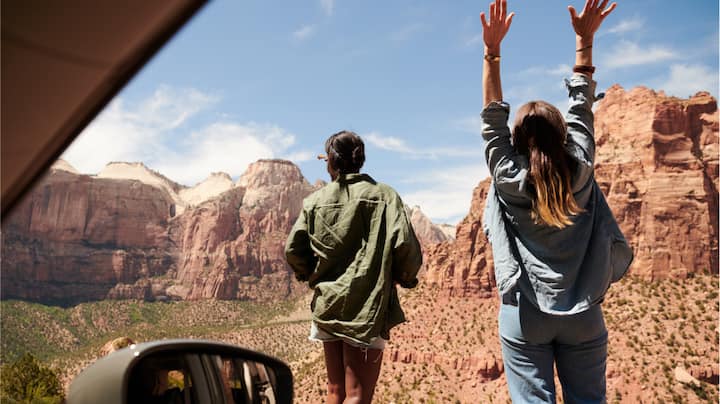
x: 246, y: 80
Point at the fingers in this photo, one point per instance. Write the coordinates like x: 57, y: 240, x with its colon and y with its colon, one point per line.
x: 609, y: 10
x: 508, y: 21
x: 587, y: 6
x: 573, y: 13
x: 503, y: 10
x: 483, y: 21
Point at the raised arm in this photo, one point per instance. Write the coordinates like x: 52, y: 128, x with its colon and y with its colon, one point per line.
x: 494, y: 31
x: 581, y: 87
x: 585, y: 26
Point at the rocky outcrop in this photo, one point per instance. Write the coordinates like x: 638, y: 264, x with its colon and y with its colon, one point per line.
x: 464, y: 266
x: 482, y: 366
x: 79, y: 237
x: 427, y: 232
x: 214, y: 185
x: 657, y: 163
x: 232, y: 247
x: 76, y: 237
x: 141, y: 173
x: 63, y: 165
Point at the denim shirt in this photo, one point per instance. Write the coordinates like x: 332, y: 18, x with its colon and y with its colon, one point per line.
x: 352, y: 242
x: 561, y: 271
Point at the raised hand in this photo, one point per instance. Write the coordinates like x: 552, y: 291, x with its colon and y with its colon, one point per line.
x: 494, y: 31
x: 590, y: 18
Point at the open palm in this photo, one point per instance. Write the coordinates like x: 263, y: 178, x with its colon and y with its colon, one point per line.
x: 497, y: 26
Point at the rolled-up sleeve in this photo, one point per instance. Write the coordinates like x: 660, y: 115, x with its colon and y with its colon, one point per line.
x: 580, y: 143
x: 507, y: 167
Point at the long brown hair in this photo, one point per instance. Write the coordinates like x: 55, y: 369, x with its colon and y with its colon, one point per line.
x: 539, y: 133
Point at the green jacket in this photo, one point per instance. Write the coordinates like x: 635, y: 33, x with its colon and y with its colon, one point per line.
x: 352, y: 242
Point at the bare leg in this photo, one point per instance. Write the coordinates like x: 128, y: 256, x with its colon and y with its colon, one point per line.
x: 335, y: 371
x: 362, y: 368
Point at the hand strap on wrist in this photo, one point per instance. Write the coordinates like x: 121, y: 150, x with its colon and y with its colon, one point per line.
x: 492, y: 58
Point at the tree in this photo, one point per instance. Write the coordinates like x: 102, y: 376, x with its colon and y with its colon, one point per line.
x: 28, y: 381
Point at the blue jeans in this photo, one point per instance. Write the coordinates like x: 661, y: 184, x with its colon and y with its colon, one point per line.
x: 533, y: 341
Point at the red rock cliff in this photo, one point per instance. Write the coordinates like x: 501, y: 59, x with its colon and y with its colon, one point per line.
x: 76, y: 237
x: 232, y: 247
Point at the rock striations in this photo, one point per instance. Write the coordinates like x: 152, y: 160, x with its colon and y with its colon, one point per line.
x: 76, y: 237
x: 426, y: 231
x: 232, y: 246
x: 657, y: 163
x: 121, y: 235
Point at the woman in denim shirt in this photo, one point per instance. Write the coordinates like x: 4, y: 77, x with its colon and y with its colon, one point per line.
x: 556, y: 245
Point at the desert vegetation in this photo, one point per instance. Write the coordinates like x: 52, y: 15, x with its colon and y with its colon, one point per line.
x: 448, y: 351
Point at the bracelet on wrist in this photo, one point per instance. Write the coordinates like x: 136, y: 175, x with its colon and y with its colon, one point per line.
x: 584, y: 48
x: 584, y: 69
x: 492, y: 58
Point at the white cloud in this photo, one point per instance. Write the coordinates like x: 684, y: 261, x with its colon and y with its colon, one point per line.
x: 407, y: 32
x: 473, y: 41
x: 628, y: 53
x: 398, y: 145
x: 686, y: 80
x: 445, y: 196
x: 155, y: 133
x: 328, y: 6
x: 631, y: 24
x: 387, y: 142
x: 227, y: 147
x: 470, y: 124
x: 535, y: 71
x: 300, y: 156
x: 120, y: 133
x: 305, y: 32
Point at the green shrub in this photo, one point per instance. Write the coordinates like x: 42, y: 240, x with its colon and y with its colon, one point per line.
x: 28, y: 381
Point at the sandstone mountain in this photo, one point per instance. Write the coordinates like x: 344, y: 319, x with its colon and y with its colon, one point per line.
x: 426, y: 231
x: 77, y: 237
x: 139, y: 172
x: 132, y: 233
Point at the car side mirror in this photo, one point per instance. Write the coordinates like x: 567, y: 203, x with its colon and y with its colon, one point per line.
x: 183, y: 371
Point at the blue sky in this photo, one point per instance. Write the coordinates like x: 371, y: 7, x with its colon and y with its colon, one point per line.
x: 273, y: 79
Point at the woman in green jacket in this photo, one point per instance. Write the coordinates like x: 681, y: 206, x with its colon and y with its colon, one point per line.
x: 353, y: 243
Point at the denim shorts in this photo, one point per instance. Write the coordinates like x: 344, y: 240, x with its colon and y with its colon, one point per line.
x: 317, y: 334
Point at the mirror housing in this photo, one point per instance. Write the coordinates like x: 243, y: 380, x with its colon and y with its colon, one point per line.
x: 199, y: 371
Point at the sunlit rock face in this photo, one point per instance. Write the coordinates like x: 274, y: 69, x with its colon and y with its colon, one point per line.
x: 232, y: 246
x: 657, y: 162
x: 76, y: 237
x: 120, y: 235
